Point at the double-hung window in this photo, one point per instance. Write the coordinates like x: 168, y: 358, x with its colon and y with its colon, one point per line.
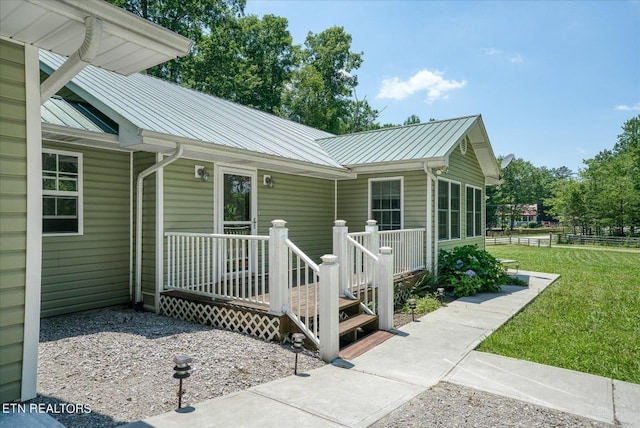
x: 385, y: 202
x: 474, y: 212
x: 61, y: 192
x: 448, y: 210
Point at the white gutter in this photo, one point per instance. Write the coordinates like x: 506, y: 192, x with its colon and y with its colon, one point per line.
x: 139, y: 187
x: 76, y: 62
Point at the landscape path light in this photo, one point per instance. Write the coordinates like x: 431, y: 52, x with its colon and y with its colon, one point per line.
x: 298, y: 342
x: 412, y: 306
x: 181, y: 369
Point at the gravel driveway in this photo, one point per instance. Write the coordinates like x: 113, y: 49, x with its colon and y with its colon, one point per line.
x: 119, y: 363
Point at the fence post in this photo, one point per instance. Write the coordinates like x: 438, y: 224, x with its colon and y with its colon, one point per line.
x: 385, y: 288
x: 278, y: 266
x: 341, y: 252
x: 329, y: 331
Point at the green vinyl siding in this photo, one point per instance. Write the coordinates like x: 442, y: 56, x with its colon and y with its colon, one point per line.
x: 13, y: 217
x: 142, y: 161
x: 465, y: 169
x: 91, y: 270
x: 188, y: 201
x: 305, y: 203
x: 353, y: 203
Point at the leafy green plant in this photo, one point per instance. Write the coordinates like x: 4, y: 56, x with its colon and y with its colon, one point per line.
x: 468, y: 270
x: 424, y: 304
x: 425, y: 285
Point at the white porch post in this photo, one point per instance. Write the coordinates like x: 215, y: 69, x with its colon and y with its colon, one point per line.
x: 372, y: 229
x: 385, y: 288
x: 340, y: 231
x: 278, y: 266
x: 330, y: 340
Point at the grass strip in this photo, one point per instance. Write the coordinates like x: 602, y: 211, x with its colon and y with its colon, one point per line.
x: 588, y: 320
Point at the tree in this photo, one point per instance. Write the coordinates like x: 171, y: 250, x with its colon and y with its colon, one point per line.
x: 247, y: 60
x: 607, y: 198
x: 521, y: 186
x: 190, y: 18
x: 411, y: 120
x: 321, y: 89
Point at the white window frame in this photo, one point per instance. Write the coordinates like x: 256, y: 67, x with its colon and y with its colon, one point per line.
x: 475, y: 229
x: 449, y: 216
x: 369, y: 205
x: 78, y: 194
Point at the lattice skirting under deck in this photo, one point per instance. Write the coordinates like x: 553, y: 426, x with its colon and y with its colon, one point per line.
x: 253, y: 324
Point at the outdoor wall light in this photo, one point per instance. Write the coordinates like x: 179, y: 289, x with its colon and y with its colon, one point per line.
x: 267, y: 180
x: 441, y: 170
x: 181, y: 368
x: 202, y: 173
x: 412, y: 306
x: 298, y: 342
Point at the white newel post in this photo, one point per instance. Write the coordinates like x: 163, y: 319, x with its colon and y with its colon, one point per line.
x: 278, y: 266
x: 385, y: 288
x: 340, y: 231
x: 329, y: 332
x: 372, y: 229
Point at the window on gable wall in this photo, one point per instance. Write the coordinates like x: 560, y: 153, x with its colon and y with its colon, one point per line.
x: 385, y: 202
x: 474, y: 212
x: 61, y: 192
x: 448, y: 210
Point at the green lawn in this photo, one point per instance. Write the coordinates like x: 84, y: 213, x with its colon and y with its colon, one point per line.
x: 588, y: 320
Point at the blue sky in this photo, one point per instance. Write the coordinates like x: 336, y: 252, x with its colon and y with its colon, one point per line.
x: 553, y: 80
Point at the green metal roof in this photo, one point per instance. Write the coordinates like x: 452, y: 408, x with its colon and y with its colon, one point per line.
x: 423, y: 141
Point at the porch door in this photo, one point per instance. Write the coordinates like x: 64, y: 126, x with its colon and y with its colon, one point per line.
x: 236, y: 213
x: 236, y: 197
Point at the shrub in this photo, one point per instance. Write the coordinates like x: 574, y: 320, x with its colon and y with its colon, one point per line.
x: 533, y: 224
x: 424, y: 304
x: 468, y: 270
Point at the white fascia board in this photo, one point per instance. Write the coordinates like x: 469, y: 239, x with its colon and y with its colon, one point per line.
x: 215, y: 152
x: 65, y: 134
x: 399, y: 166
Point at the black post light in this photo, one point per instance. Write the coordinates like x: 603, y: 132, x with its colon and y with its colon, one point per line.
x: 298, y: 342
x: 181, y: 368
x: 412, y: 306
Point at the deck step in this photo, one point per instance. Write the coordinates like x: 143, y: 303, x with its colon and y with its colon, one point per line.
x: 355, y: 322
x: 363, y: 345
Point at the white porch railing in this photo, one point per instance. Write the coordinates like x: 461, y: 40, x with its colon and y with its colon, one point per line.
x: 407, y: 245
x: 366, y: 274
x: 226, y: 266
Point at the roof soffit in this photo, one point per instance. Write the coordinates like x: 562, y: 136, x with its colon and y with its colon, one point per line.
x: 129, y: 43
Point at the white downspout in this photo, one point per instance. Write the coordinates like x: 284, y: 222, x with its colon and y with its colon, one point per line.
x: 139, y: 187
x: 430, y: 226
x: 76, y: 62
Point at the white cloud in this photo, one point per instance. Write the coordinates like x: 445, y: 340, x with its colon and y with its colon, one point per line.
x: 491, y: 51
x: 431, y: 81
x: 514, y: 57
x: 625, y: 107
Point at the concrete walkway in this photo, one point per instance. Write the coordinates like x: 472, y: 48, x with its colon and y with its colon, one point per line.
x: 437, y: 347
